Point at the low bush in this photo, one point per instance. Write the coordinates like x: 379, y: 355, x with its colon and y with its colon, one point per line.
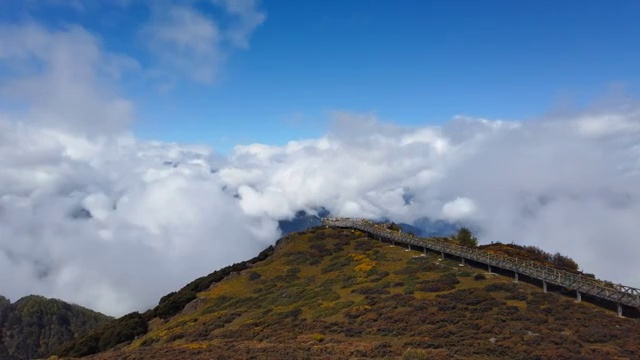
x: 370, y: 291
x: 506, y: 287
x: 253, y: 276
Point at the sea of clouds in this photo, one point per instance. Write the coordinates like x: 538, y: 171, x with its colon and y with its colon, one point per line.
x: 92, y: 215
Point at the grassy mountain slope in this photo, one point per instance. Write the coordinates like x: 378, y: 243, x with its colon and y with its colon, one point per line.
x: 33, y: 326
x: 135, y: 325
x: 334, y: 294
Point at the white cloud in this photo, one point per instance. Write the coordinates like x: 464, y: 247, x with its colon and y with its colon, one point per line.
x: 458, y: 209
x: 164, y: 214
x: 249, y: 17
x: 189, y: 42
x: 599, y: 125
x: 186, y: 41
x: 65, y: 78
x: 153, y: 228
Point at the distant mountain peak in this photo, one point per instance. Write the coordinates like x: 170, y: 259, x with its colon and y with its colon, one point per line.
x: 34, y: 326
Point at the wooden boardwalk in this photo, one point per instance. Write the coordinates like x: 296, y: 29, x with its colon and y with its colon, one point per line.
x: 619, y: 294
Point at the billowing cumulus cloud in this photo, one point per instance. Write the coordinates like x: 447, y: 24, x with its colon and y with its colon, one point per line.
x: 63, y: 79
x: 114, y: 223
x: 458, y: 209
x: 117, y: 225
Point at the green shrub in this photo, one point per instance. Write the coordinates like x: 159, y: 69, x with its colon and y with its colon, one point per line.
x: 336, y: 265
x: 506, y: 287
x: 111, y: 334
x: 466, y: 238
x: 393, y: 227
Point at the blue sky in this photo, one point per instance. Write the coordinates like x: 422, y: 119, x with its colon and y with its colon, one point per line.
x: 410, y: 62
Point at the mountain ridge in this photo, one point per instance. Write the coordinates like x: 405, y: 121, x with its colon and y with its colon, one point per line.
x: 34, y: 326
x: 332, y: 293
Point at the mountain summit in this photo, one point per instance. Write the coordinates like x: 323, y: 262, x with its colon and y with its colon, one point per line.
x: 330, y: 293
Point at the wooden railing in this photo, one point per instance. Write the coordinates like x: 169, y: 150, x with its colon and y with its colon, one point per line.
x: 618, y: 293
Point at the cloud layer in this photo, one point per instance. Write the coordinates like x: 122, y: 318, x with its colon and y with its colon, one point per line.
x: 114, y: 223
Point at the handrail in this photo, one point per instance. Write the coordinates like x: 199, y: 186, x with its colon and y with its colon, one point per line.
x: 619, y: 293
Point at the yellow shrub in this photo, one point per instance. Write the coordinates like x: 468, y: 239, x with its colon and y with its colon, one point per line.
x: 365, y: 264
x: 358, y: 257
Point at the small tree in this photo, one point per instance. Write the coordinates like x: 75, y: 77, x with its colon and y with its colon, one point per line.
x: 466, y: 238
x: 564, y: 261
x: 394, y: 227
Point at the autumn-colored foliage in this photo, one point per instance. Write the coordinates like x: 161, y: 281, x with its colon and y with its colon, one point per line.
x: 334, y: 294
x: 533, y: 253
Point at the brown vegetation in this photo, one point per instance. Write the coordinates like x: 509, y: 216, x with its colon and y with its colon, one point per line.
x: 533, y: 253
x: 334, y: 294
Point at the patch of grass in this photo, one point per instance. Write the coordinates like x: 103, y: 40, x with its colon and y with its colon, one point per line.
x: 334, y: 308
x: 338, y: 264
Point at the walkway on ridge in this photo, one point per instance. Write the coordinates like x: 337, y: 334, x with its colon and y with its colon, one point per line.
x: 617, y: 293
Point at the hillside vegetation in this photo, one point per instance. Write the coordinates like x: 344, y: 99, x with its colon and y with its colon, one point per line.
x: 34, y: 326
x: 335, y: 294
x: 533, y: 253
x: 134, y: 325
